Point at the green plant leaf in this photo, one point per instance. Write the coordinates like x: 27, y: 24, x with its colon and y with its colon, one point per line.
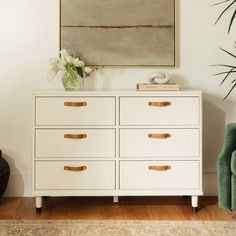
x: 229, y: 91
x: 225, y: 10
x: 218, y: 3
x: 231, y: 21
x: 228, y: 74
x: 232, y: 69
x: 80, y: 72
x: 224, y: 65
x: 231, y: 54
x: 224, y: 72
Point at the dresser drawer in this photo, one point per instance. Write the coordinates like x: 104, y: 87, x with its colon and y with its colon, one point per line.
x: 171, y: 111
x: 164, y: 175
x: 78, y: 175
x: 63, y: 143
x: 159, y: 143
x: 56, y: 111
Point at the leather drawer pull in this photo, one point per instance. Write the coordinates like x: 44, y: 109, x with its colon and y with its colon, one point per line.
x: 75, y: 104
x: 160, y: 136
x: 159, y: 104
x: 159, y: 168
x: 75, y: 136
x: 79, y: 168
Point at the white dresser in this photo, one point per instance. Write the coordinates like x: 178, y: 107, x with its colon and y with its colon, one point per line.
x: 110, y: 143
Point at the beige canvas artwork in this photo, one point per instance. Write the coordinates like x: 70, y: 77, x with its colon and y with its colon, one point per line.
x: 120, y: 32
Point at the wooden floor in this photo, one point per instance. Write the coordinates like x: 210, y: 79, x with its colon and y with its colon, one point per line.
x: 102, y: 208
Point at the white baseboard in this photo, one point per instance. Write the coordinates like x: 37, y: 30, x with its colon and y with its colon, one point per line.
x: 20, y: 185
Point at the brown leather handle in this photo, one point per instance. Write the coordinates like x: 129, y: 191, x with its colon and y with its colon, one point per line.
x: 159, y: 104
x: 75, y: 136
x: 78, y: 168
x: 75, y: 104
x: 159, y: 168
x: 160, y: 136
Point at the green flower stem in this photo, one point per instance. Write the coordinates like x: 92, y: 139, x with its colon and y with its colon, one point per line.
x: 70, y: 78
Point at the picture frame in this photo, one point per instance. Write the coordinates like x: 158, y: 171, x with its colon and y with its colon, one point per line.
x: 120, y: 32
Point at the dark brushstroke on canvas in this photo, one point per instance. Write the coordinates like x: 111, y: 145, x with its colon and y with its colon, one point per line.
x: 119, y: 26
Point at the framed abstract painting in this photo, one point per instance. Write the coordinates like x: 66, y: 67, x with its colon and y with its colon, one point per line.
x: 120, y: 32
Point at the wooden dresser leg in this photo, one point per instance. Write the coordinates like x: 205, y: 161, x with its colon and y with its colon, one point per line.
x: 194, y: 203
x: 38, y: 203
x: 115, y: 199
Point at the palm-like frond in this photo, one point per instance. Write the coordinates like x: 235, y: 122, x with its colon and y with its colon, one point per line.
x: 227, y: 75
x: 231, y: 21
x: 225, y: 72
x: 233, y: 17
x: 229, y: 53
x: 229, y: 70
x: 230, y: 91
x: 218, y: 3
x: 224, y: 65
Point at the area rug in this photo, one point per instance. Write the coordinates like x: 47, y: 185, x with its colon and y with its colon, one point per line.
x: 117, y: 228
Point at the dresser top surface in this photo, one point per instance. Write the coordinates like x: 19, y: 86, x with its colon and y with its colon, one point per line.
x: 116, y: 93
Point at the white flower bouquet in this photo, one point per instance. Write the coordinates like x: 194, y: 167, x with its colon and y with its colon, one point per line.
x: 71, y: 69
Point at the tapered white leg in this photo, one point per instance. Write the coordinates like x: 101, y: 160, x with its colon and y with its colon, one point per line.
x: 115, y: 199
x: 38, y: 203
x: 194, y: 203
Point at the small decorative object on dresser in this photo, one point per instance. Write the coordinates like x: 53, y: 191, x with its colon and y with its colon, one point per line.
x: 108, y: 143
x: 72, y: 70
x: 4, y: 174
x: 158, y: 81
x: 158, y: 87
x: 159, y: 78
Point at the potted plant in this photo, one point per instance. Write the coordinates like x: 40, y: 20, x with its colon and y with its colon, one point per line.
x: 228, y: 70
x: 72, y: 70
x: 4, y: 174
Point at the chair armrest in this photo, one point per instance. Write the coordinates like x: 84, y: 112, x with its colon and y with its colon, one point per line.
x: 233, y: 163
x: 224, y: 167
x: 229, y: 145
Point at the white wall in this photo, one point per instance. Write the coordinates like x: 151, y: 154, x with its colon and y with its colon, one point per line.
x: 29, y: 36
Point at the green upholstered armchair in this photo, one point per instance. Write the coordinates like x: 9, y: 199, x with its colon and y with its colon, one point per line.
x: 226, y: 170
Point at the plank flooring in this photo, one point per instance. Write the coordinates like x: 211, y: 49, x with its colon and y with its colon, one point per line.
x: 103, y: 208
